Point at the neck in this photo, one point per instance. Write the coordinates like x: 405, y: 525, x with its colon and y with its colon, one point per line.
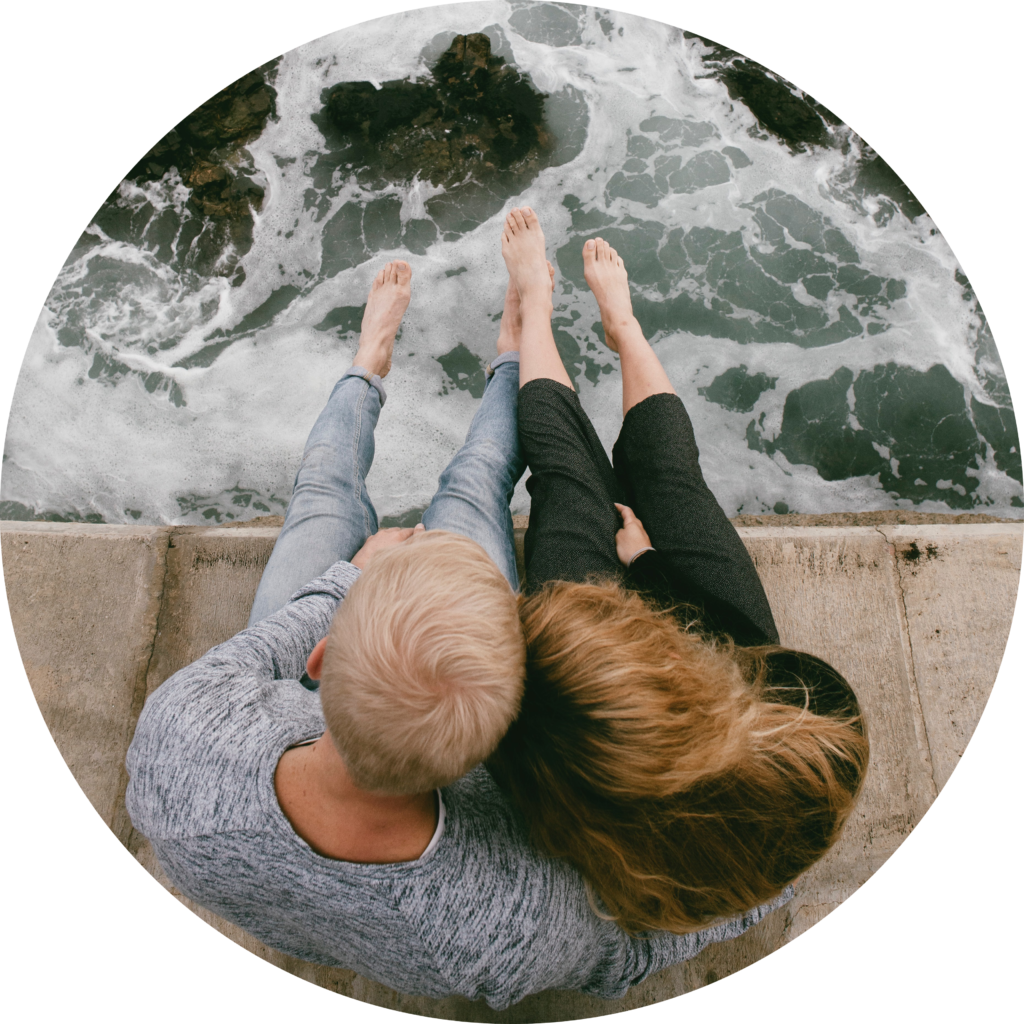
x: 336, y: 786
x: 343, y: 821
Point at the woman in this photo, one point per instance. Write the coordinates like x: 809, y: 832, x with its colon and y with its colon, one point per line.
x: 667, y: 746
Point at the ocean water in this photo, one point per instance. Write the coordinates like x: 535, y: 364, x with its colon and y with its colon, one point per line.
x: 831, y: 352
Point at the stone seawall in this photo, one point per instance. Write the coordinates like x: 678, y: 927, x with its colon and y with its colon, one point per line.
x: 914, y: 614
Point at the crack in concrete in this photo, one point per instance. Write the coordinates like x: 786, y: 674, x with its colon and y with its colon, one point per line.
x: 121, y: 824
x: 917, y: 711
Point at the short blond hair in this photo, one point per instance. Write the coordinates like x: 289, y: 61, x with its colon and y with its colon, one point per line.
x: 424, y: 666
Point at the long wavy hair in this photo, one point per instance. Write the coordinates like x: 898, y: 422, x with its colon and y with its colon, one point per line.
x: 686, y: 779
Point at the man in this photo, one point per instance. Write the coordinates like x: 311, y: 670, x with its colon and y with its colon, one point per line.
x: 350, y: 827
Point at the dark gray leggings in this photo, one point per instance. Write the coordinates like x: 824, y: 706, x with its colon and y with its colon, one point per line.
x: 655, y: 470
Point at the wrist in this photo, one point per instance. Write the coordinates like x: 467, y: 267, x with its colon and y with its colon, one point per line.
x: 636, y: 554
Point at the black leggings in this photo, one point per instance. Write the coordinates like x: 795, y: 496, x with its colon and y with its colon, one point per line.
x: 656, y: 472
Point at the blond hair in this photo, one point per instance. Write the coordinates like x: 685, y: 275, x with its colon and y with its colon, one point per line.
x: 686, y: 780
x: 424, y: 665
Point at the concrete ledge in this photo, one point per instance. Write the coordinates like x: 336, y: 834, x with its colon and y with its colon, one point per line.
x: 915, y: 615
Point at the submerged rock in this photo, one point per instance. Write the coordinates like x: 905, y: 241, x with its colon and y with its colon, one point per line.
x: 201, y: 146
x: 800, y: 121
x: 206, y: 149
x: 913, y: 429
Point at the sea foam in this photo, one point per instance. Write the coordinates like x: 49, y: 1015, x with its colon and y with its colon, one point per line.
x: 137, y: 419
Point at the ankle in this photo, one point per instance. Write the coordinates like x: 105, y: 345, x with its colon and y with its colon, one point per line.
x: 372, y: 358
x: 536, y: 303
x: 622, y: 329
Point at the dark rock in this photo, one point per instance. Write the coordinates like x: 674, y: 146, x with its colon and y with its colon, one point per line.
x: 204, y: 147
x: 876, y: 177
x: 475, y: 126
x: 781, y: 108
x: 477, y: 116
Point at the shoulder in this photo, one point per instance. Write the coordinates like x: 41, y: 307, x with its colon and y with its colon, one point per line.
x: 511, y: 921
x: 201, y: 743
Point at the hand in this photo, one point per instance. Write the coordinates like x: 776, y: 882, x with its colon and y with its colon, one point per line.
x: 383, y: 539
x: 632, y: 537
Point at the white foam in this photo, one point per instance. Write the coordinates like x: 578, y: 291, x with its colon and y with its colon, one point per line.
x: 74, y: 443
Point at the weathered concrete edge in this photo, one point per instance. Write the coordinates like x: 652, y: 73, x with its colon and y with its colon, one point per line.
x: 924, y: 741
x: 798, y: 533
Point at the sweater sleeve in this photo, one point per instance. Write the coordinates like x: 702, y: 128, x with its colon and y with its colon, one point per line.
x: 665, y: 949
x: 279, y: 645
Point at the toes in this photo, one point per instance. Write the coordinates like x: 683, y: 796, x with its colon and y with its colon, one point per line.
x: 517, y: 219
x: 529, y: 217
x: 589, y: 249
x: 403, y: 272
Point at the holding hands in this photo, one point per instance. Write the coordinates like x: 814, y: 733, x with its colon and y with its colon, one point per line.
x: 632, y: 539
x: 383, y: 539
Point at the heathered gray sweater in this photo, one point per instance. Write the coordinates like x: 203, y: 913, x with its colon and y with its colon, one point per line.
x: 482, y: 914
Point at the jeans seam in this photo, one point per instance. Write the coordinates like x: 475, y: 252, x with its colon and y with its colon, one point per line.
x: 356, y: 437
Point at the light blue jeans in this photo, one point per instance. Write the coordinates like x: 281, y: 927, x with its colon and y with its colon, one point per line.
x: 330, y: 514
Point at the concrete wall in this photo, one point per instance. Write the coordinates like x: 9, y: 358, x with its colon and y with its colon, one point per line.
x: 915, y: 615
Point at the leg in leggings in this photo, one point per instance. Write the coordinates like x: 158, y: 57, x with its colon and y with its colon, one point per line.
x: 330, y: 514
x: 656, y: 459
x: 572, y: 486
x: 572, y: 489
x: 474, y: 491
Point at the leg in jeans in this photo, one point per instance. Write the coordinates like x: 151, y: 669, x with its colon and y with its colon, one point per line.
x: 330, y: 514
x: 474, y: 491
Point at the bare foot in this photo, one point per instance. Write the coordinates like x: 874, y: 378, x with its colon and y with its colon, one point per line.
x: 606, y: 274
x: 512, y: 316
x: 385, y: 307
x: 522, y: 246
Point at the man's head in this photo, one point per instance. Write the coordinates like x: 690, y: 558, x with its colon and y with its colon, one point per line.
x: 423, y: 668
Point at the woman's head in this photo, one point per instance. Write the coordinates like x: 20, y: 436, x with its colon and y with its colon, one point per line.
x: 686, y: 780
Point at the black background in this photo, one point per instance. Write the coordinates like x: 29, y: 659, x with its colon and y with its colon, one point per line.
x: 87, y: 929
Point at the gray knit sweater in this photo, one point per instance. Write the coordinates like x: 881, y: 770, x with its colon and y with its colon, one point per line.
x: 482, y: 914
